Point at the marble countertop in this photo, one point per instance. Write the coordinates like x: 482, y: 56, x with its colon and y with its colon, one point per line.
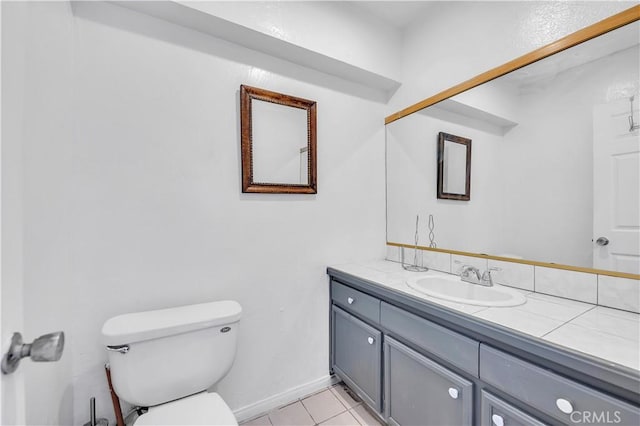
x: 610, y: 334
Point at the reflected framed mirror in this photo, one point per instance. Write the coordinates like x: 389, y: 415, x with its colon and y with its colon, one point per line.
x: 454, y: 167
x: 556, y: 159
x: 278, y: 142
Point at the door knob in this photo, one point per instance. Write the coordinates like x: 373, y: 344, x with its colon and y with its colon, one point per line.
x: 497, y: 420
x: 45, y: 348
x: 453, y: 393
x: 564, y: 405
x: 602, y: 241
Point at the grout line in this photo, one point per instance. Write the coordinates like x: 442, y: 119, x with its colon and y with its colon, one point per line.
x: 305, y: 409
x: 336, y: 396
x: 339, y: 414
x: 357, y: 421
x: 568, y: 321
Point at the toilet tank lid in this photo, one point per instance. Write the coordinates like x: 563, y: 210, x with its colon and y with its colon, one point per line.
x: 139, y: 326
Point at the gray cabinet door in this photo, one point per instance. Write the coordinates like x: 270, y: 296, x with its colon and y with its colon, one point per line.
x: 357, y: 356
x: 419, y: 391
x: 496, y: 412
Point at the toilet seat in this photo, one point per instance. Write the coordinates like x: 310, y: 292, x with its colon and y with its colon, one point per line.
x: 200, y: 409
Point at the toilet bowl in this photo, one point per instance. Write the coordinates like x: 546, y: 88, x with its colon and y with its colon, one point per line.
x: 166, y: 360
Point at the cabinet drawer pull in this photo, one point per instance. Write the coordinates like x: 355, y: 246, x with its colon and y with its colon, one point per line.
x: 453, y: 393
x: 564, y: 405
x: 371, y: 340
x: 350, y: 300
x: 497, y: 420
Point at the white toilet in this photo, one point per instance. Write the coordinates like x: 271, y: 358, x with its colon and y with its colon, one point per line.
x: 166, y: 360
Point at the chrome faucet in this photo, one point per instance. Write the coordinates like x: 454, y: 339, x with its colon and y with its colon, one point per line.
x: 470, y: 274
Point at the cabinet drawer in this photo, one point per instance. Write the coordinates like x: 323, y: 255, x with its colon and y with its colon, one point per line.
x: 560, y: 398
x: 356, y: 302
x: 496, y: 412
x: 419, y: 391
x: 357, y: 356
x: 439, y: 341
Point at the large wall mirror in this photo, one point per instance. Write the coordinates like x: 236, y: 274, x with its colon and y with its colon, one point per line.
x: 278, y: 140
x: 556, y: 160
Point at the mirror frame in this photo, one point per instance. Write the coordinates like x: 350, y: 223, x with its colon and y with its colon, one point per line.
x: 611, y: 23
x: 247, y: 95
x: 446, y: 137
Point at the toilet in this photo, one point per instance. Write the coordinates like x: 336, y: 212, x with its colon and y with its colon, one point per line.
x: 166, y: 360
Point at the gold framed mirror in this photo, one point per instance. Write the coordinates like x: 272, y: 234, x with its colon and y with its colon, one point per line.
x: 278, y: 142
x: 565, y: 175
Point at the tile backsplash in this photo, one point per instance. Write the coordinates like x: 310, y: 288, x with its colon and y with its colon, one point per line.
x: 613, y: 292
x: 512, y: 274
x: 457, y: 262
x: 620, y: 293
x: 568, y: 284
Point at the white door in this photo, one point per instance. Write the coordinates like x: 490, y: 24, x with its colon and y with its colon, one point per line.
x: 12, y: 407
x: 616, y: 184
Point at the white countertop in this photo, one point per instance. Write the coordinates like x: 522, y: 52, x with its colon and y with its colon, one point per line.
x: 610, y: 334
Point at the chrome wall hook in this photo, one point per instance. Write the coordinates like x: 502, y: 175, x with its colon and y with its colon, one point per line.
x: 45, y: 348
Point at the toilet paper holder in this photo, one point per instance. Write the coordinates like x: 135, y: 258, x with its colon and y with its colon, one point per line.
x: 46, y: 348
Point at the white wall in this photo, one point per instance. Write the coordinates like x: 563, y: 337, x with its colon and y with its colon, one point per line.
x: 331, y: 28
x: 135, y: 202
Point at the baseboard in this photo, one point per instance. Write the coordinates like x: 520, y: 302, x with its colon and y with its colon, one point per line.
x: 264, y: 406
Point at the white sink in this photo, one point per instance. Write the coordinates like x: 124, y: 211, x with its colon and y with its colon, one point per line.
x: 453, y: 289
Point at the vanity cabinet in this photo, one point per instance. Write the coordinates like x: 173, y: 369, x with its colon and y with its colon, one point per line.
x: 565, y: 400
x: 416, y: 363
x: 496, y: 412
x: 419, y: 391
x: 356, y: 358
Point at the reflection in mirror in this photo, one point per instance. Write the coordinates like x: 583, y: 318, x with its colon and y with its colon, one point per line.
x: 454, y: 167
x: 278, y: 142
x: 279, y: 132
x: 555, y: 163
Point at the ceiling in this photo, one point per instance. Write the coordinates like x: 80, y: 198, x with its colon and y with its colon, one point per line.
x: 396, y: 13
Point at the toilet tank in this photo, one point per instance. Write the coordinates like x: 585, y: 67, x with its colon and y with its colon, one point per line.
x: 166, y: 354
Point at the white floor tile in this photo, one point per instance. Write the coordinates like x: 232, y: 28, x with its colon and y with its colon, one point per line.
x: 343, y: 396
x: 291, y: 415
x: 344, y: 419
x: 323, y: 406
x: 364, y: 417
x: 260, y: 421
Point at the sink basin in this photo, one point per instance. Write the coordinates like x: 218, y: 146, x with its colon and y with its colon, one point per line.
x: 455, y: 290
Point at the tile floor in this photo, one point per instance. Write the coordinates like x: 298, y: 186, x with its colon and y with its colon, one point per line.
x: 332, y: 407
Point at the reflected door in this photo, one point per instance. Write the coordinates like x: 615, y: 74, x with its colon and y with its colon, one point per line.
x: 616, y: 184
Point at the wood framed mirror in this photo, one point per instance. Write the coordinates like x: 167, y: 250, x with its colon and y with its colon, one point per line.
x: 278, y: 142
x: 544, y: 190
x: 454, y: 167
